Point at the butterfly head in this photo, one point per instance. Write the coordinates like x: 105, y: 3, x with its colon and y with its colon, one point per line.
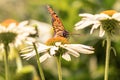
x: 65, y: 34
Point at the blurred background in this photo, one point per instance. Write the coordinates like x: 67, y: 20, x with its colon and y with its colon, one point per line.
x: 85, y: 67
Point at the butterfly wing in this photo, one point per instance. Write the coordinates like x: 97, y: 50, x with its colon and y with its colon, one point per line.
x: 57, y: 24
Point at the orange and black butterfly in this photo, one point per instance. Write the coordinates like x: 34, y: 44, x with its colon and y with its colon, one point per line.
x: 58, y: 27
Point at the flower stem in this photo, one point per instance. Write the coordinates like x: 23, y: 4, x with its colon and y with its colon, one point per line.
x: 107, y: 57
x: 6, y: 62
x: 59, y: 67
x: 38, y: 62
x: 19, y: 63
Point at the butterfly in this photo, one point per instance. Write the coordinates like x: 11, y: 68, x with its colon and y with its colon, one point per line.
x: 59, y: 30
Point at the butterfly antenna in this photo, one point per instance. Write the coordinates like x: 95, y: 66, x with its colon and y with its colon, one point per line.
x: 74, y: 34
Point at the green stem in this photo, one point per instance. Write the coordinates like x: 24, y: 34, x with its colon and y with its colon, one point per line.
x: 107, y: 57
x: 6, y: 62
x: 59, y: 67
x: 38, y: 62
x: 19, y: 63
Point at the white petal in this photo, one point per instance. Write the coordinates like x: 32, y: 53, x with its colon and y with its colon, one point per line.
x: 95, y: 26
x: 23, y: 23
x: 71, y: 51
x: 82, y: 24
x: 88, y: 19
x: 66, y: 56
x: 11, y: 26
x: 53, y: 50
x: 116, y: 16
x: 102, y: 16
x: 42, y: 47
x: 28, y: 55
x: 27, y: 49
x: 2, y: 28
x: 30, y: 40
x: 58, y: 43
x: 102, y: 32
x: 44, y: 57
x: 81, y: 48
x: 17, y: 42
x: 86, y: 15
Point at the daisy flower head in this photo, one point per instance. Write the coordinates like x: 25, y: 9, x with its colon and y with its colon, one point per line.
x: 59, y: 46
x: 14, y: 33
x: 108, y: 21
x: 44, y: 30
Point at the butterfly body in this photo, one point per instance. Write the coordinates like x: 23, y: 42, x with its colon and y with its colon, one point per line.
x: 58, y: 27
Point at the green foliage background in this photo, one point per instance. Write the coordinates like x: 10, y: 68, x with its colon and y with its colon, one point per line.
x: 86, y: 67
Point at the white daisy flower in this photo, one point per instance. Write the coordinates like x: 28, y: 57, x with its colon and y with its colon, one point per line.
x: 108, y: 21
x: 44, y: 30
x: 13, y: 33
x: 58, y: 46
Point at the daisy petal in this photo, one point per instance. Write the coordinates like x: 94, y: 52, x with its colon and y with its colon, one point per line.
x: 66, y: 56
x: 53, y: 50
x: 23, y: 23
x: 81, y: 48
x: 27, y: 49
x: 11, y: 26
x: 42, y: 48
x: 101, y: 16
x: 86, y: 15
x: 58, y: 43
x: 116, y: 16
x: 28, y: 55
x: 72, y: 52
x: 95, y: 26
x: 102, y: 32
x: 82, y: 24
x: 44, y: 57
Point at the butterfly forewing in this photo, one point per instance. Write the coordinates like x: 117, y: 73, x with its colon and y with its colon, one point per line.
x: 57, y: 24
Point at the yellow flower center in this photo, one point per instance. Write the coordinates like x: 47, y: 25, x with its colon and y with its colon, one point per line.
x: 52, y: 41
x: 9, y: 21
x: 109, y: 12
